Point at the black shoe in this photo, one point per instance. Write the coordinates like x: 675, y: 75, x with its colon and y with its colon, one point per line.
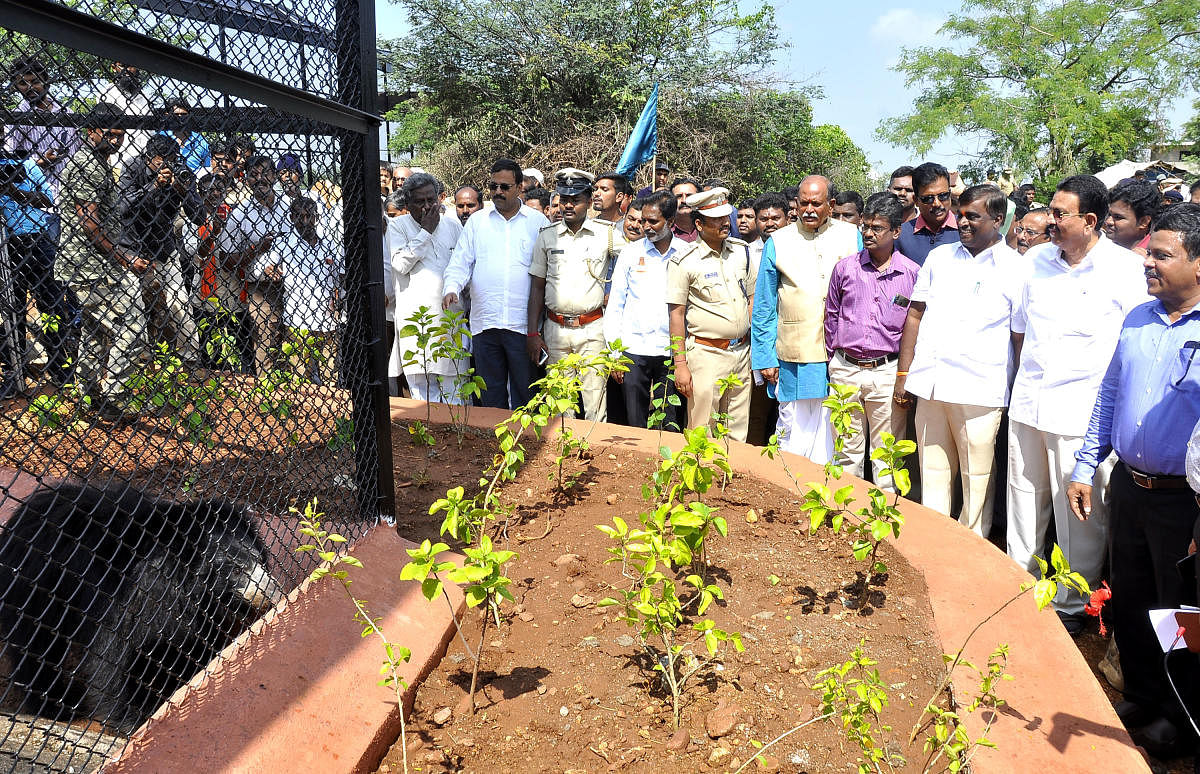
x: 1133, y: 715
x: 1163, y: 739
x: 1072, y: 622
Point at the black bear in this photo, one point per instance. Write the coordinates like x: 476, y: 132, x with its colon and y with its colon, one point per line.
x: 112, y: 599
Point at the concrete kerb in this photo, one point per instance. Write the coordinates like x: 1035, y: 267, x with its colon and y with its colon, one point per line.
x: 1056, y: 717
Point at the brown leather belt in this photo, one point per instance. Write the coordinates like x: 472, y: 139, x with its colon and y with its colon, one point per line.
x: 575, y: 320
x: 1147, y: 481
x: 874, y: 362
x: 718, y: 343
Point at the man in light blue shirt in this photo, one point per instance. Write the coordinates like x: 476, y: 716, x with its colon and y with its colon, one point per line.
x: 1149, y: 402
x: 637, y: 312
x: 492, y: 259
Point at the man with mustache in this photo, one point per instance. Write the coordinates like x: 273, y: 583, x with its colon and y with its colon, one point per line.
x: 127, y: 95
x: 708, y: 300
x: 568, y: 271
x: 935, y: 223
x: 955, y: 354
x: 787, y: 332
x: 611, y: 196
x: 492, y: 258
x: 1033, y: 230
x: 1148, y: 404
x: 101, y: 273
x: 1079, y: 291
x: 244, y: 245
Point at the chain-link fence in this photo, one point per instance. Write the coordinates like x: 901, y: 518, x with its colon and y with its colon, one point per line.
x: 190, y: 319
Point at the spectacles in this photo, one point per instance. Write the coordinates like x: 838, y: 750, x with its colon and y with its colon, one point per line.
x: 500, y: 186
x: 867, y: 228
x: 1031, y: 232
x: 1060, y: 215
x: 943, y: 197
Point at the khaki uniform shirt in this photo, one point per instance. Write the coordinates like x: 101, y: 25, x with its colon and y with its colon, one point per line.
x: 87, y: 177
x: 716, y: 288
x: 575, y: 266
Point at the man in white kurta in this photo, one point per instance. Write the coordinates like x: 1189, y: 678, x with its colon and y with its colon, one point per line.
x: 419, y: 244
x: 1081, y: 288
x: 956, y: 355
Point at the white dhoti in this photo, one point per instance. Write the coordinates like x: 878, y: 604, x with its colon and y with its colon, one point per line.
x: 803, y: 428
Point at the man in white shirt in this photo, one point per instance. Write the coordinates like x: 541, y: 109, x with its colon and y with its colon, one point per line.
x: 126, y: 93
x: 245, y: 242
x: 418, y: 246
x: 956, y: 354
x: 637, y: 312
x: 1080, y: 290
x: 492, y: 259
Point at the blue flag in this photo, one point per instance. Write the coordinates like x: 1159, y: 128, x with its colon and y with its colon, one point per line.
x: 643, y: 140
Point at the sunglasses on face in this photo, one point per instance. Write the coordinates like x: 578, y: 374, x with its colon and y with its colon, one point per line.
x: 493, y: 187
x: 943, y: 197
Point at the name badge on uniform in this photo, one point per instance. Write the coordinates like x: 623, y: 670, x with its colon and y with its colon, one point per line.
x: 711, y: 275
x: 557, y: 252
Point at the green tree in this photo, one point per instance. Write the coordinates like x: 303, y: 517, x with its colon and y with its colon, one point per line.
x: 1052, y: 88
x: 553, y: 84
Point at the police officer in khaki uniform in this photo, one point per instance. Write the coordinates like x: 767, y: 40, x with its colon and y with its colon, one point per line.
x: 570, y: 264
x: 709, y: 287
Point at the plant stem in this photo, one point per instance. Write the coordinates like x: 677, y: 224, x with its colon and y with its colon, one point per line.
x: 958, y: 659
x: 457, y: 627
x: 478, y: 658
x: 780, y: 738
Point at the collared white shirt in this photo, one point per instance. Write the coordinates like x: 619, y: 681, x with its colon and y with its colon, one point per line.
x: 637, y: 301
x: 1071, y: 318
x: 493, y: 255
x: 311, y: 277
x: 963, y: 352
x: 248, y: 224
x: 135, y: 139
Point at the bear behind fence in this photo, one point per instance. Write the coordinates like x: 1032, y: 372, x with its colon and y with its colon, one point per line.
x: 114, y: 598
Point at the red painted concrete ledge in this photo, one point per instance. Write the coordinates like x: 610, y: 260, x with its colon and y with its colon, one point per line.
x: 298, y: 692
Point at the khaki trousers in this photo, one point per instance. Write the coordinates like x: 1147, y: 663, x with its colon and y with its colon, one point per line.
x: 588, y: 341
x: 708, y: 364
x: 953, y: 439
x: 169, y: 309
x: 1039, y: 469
x: 880, y: 414
x: 112, y: 342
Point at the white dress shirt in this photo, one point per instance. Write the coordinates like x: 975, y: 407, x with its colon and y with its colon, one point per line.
x: 963, y: 353
x: 248, y: 224
x: 493, y: 255
x: 311, y: 276
x: 135, y: 139
x: 418, y: 260
x: 1071, y: 318
x: 637, y: 302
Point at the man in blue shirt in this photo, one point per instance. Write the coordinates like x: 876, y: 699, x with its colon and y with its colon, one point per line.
x: 27, y: 200
x: 1148, y: 404
x: 935, y: 223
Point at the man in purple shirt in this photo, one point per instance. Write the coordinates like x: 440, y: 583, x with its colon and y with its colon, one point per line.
x: 864, y: 317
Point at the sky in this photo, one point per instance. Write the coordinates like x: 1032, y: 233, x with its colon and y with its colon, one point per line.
x: 848, y: 51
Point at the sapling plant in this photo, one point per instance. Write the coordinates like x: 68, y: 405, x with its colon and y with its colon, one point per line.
x: 326, y: 545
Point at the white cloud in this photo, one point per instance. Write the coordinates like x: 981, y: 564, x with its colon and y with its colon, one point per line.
x: 905, y: 27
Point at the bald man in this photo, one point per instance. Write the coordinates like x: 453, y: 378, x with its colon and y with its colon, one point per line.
x: 787, y: 335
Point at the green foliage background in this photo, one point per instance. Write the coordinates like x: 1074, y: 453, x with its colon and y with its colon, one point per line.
x: 554, y: 84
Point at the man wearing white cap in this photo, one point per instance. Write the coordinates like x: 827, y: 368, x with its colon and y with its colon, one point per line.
x: 533, y: 179
x: 568, y: 272
x: 708, y: 298
x: 789, y: 316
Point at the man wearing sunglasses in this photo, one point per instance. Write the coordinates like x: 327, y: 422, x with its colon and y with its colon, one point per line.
x: 492, y: 258
x: 935, y: 223
x: 1072, y: 307
x: 1148, y: 403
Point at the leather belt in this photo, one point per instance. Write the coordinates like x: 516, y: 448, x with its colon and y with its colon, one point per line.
x: 575, y: 320
x: 874, y: 362
x: 1148, y: 481
x: 718, y: 343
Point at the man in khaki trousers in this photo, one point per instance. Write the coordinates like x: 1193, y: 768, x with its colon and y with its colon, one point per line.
x: 708, y: 300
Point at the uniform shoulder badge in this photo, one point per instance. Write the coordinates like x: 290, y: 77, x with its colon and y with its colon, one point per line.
x: 684, y: 253
x: 736, y: 242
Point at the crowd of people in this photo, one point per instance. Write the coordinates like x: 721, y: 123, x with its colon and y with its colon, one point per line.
x: 128, y: 239
x: 1039, y: 355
